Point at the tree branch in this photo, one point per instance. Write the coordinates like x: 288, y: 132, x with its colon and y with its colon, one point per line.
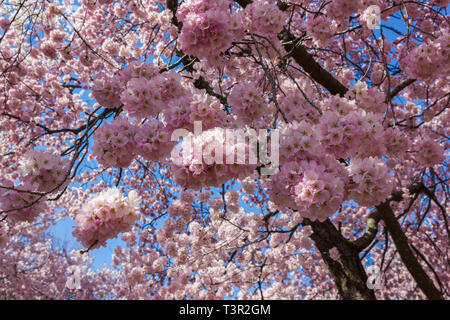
x: 348, y: 273
x: 303, y: 58
x: 309, y: 65
x: 401, y: 242
x: 372, y: 222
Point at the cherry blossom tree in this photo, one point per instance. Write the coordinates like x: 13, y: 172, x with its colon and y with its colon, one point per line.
x: 355, y: 207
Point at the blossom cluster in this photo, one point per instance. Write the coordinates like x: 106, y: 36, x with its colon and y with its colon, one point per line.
x: 293, y: 102
x: 370, y: 99
x: 315, y: 190
x: 247, y: 104
x: 114, y: 143
x: 342, y: 9
x: 182, y: 207
x: 104, y: 216
x: 153, y: 140
x: 371, y: 182
x: 265, y: 18
x: 48, y: 49
x: 428, y: 151
x: 357, y: 132
x: 138, y: 69
x: 141, y: 98
x: 141, y: 89
x: 232, y: 200
x: 319, y: 192
x: 43, y: 170
x: 106, y: 90
x: 312, y: 181
x: 183, y: 111
x: 205, y: 159
x: 397, y: 143
x: 19, y: 203
x: 321, y: 29
x: 208, y: 28
x: 428, y: 60
x: 300, y: 141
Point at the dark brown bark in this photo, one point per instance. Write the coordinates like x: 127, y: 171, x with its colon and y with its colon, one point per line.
x: 384, y: 212
x: 304, y: 59
x: 348, y: 273
x: 309, y: 65
x: 401, y: 243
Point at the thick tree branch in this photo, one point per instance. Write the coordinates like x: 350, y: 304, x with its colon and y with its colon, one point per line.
x: 371, y: 231
x: 399, y: 88
x: 303, y: 58
x: 201, y: 83
x: 309, y: 65
x: 401, y: 242
x: 372, y: 222
x: 348, y: 273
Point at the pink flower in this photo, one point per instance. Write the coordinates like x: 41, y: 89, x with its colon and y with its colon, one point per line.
x: 104, y: 216
x: 334, y: 254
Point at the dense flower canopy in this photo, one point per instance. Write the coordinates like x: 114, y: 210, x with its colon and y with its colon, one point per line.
x: 251, y: 149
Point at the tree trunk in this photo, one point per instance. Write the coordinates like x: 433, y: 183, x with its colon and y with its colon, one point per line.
x: 348, y: 273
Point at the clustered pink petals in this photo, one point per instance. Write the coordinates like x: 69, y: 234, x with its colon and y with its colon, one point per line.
x: 247, y: 103
x: 180, y: 208
x: 42, y: 173
x: 114, y: 144
x: 371, y: 179
x: 295, y: 106
x: 321, y: 29
x: 112, y: 81
x: 43, y: 170
x: 20, y: 204
x: 319, y: 191
x: 265, y: 17
x: 340, y: 135
x: 343, y: 136
x: 429, y: 59
x: 315, y: 190
x: 370, y: 99
x: 48, y: 49
x: 428, y: 151
x: 153, y: 140
x: 141, y: 99
x: 141, y: 89
x: 182, y: 112
x: 196, y: 164
x: 206, y: 109
x: 397, y: 142
x: 104, y: 216
x: 106, y: 90
x: 147, y: 92
x: 4, y: 24
x: 342, y: 9
x: 310, y: 180
x: 171, y: 86
x: 138, y: 69
x: 249, y: 185
x: 208, y: 28
x: 300, y: 141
